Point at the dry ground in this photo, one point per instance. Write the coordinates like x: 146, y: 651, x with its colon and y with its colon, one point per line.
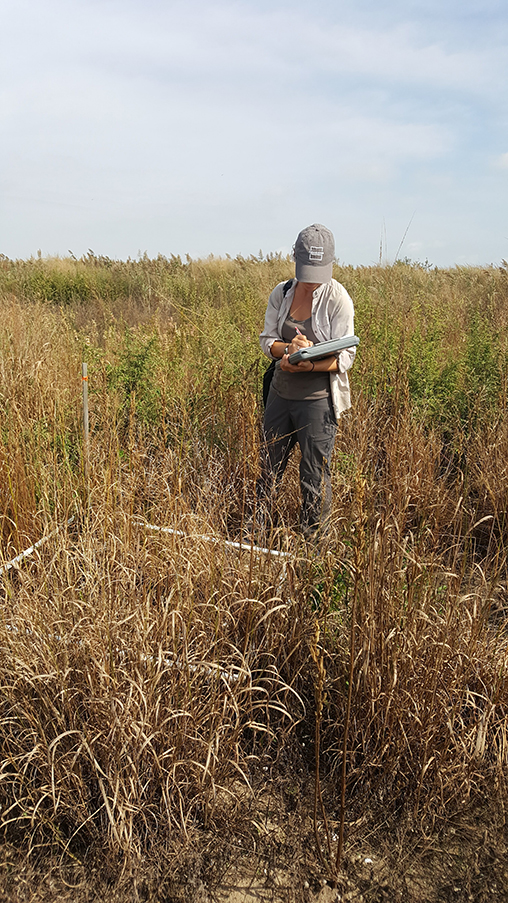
x: 271, y: 858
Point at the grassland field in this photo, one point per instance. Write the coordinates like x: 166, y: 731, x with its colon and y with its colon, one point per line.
x: 175, y: 709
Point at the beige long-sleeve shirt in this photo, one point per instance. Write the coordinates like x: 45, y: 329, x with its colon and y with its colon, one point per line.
x: 332, y: 318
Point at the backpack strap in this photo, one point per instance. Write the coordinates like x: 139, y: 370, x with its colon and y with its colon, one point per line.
x: 270, y: 370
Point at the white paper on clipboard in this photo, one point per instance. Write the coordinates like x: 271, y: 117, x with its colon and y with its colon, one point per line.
x: 324, y: 349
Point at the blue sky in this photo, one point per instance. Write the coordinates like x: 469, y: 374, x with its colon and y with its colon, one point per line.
x: 221, y: 128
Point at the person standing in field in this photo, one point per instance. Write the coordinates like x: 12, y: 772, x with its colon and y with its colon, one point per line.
x: 306, y: 400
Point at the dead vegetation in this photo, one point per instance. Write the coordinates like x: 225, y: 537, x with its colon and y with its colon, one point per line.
x: 159, y: 688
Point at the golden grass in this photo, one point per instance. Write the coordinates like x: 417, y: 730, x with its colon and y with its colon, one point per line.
x: 143, y: 673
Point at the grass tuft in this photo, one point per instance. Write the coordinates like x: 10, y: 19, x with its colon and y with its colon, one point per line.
x: 149, y: 679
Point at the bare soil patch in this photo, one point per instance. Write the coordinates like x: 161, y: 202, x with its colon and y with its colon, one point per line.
x: 269, y: 856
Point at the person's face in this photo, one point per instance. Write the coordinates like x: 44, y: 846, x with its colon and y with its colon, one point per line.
x: 311, y: 286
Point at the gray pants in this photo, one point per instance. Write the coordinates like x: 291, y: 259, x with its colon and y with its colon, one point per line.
x: 312, y: 424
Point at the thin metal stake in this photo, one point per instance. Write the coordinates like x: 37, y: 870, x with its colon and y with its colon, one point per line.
x: 86, y: 437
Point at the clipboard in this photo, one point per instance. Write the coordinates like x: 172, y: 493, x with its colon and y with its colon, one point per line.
x: 324, y: 349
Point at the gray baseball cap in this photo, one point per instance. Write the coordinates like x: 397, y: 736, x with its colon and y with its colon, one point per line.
x: 314, y: 254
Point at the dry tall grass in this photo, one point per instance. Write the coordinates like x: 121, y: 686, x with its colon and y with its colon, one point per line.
x: 146, y: 675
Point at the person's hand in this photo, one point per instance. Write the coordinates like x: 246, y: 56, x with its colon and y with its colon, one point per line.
x: 301, y: 367
x: 299, y: 341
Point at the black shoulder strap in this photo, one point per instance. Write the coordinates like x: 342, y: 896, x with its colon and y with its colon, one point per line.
x: 270, y: 370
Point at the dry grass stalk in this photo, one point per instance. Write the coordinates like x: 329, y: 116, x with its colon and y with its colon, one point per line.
x: 144, y: 675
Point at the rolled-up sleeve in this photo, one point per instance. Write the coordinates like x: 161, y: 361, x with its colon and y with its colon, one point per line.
x: 345, y: 359
x: 342, y: 322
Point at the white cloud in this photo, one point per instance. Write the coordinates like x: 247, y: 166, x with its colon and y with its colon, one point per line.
x: 161, y: 42
x: 501, y: 162
x: 136, y: 113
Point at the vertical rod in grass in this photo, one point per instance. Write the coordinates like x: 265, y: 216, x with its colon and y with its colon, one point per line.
x: 86, y: 433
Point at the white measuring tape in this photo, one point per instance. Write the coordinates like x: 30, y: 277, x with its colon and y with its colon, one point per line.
x: 36, y: 545
x: 170, y: 660
x: 225, y: 542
